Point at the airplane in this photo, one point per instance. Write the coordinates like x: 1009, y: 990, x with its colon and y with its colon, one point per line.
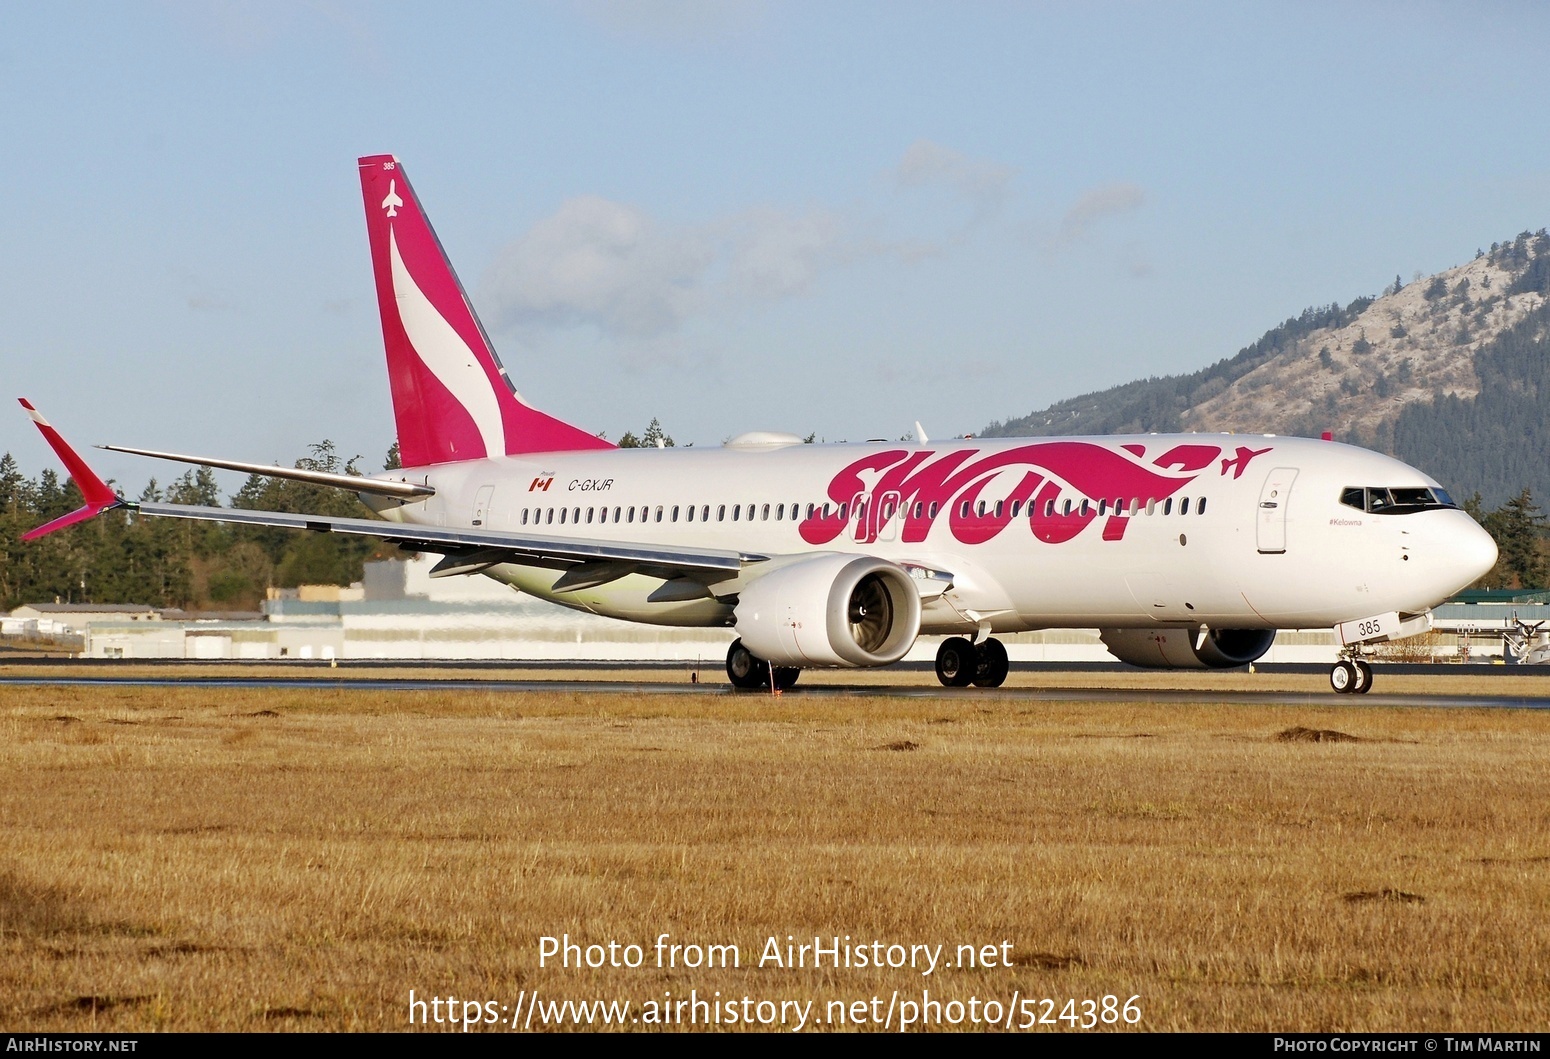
x: 1186, y: 551
x: 1527, y: 644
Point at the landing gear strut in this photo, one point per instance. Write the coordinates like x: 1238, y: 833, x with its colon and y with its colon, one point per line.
x: 960, y: 663
x: 1351, y: 676
x: 748, y: 672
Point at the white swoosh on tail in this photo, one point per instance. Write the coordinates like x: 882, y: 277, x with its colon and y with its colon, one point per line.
x: 446, y: 355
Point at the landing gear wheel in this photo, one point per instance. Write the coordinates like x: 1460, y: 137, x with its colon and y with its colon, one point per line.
x: 1343, y: 678
x: 991, y: 664
x: 1363, y: 678
x: 784, y: 676
x: 956, y: 662
x: 744, y: 670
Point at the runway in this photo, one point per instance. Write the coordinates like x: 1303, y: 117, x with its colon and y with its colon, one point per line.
x: 387, y: 685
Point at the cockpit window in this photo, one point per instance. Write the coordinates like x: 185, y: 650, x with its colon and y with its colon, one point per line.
x: 1377, y: 500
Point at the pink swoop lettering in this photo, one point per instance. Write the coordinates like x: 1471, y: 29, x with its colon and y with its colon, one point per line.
x: 926, y: 485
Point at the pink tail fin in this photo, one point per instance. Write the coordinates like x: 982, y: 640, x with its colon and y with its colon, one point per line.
x: 451, y: 397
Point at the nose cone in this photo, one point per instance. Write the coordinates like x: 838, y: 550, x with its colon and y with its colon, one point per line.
x: 1471, y: 551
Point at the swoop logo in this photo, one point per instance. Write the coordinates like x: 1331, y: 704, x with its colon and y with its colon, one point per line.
x: 928, y: 485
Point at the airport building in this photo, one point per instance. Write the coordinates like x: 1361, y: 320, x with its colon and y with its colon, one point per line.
x: 398, y: 611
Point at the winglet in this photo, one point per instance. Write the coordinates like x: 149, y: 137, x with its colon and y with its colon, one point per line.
x: 99, y: 497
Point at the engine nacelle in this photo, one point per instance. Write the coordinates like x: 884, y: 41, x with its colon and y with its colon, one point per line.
x: 831, y: 610
x: 1173, y: 648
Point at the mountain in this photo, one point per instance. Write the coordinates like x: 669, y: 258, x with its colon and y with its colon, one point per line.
x: 1450, y: 372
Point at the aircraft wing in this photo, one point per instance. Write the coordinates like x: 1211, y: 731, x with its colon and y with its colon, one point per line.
x: 481, y: 548
x: 353, y: 482
x: 586, y: 562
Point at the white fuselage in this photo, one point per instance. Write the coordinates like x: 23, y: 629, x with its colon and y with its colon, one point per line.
x: 1229, y: 531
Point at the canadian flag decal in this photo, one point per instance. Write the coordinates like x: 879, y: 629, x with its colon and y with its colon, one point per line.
x: 540, y: 484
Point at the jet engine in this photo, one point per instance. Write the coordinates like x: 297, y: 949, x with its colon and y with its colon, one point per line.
x: 831, y: 610
x: 1174, y: 648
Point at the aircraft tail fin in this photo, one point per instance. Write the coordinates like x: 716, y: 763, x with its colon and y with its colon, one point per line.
x: 451, y: 396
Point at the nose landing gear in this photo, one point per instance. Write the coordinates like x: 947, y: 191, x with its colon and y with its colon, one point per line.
x: 1351, y: 676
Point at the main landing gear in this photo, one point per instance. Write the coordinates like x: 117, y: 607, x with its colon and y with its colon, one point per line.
x: 748, y: 673
x: 960, y: 663
x: 1351, y: 676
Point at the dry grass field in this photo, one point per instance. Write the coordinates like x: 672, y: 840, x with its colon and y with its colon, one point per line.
x: 215, y: 859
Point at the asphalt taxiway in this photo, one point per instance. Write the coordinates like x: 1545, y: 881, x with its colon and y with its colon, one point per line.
x: 1484, y: 699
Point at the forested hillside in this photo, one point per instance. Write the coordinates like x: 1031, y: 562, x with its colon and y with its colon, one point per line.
x: 1446, y: 372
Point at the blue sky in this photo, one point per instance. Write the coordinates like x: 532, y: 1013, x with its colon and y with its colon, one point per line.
x: 731, y: 216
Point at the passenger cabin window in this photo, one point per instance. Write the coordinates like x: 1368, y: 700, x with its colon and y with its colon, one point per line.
x: 1200, y: 506
x: 1168, y: 506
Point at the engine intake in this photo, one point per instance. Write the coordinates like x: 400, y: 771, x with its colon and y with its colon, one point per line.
x: 1176, y: 648
x: 831, y: 610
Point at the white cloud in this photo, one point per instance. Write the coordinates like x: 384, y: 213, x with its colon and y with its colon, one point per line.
x: 1096, y: 204
x: 613, y: 266
x: 984, y: 183
x: 604, y: 263
x: 772, y: 255
x: 204, y: 302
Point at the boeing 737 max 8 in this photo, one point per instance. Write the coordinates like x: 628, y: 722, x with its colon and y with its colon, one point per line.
x: 1187, y: 550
